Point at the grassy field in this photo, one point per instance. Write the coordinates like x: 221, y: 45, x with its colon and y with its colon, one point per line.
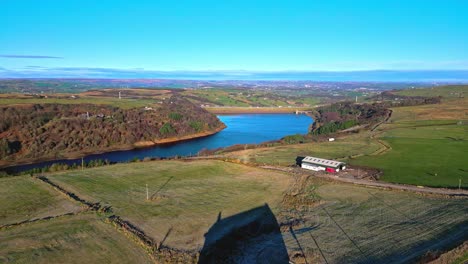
x: 448, y: 110
x: 347, y: 224
x: 452, y: 91
x: 122, y: 103
x: 185, y: 197
x: 132, y: 98
x: 362, y: 225
x: 428, y: 146
x: 428, y: 162
x: 71, y: 239
x: 245, y: 98
x: 285, y: 155
x: 24, y: 198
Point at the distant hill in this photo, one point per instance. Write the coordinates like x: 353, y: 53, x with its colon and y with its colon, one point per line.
x: 33, y: 132
x: 449, y: 91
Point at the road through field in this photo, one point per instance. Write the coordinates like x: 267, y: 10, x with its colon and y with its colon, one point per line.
x: 385, y: 185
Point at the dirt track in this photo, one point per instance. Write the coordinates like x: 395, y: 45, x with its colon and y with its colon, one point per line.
x: 384, y: 185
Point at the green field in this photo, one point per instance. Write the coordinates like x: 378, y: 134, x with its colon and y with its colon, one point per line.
x: 185, y: 197
x: 245, y: 98
x: 122, y: 103
x: 71, y: 239
x: 452, y: 91
x: 24, y: 198
x: 452, y: 110
x: 423, y: 152
x: 428, y: 142
x: 428, y: 162
x: 150, y: 97
x: 342, y: 148
x: 363, y: 225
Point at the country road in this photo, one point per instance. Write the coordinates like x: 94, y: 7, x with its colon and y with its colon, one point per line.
x: 377, y: 184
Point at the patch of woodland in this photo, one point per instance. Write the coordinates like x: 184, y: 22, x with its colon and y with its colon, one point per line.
x: 53, y: 130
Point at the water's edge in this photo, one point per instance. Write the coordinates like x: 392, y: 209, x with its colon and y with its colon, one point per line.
x: 239, y: 129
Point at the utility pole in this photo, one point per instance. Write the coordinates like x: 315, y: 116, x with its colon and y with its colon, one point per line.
x: 147, y: 192
x: 120, y: 97
x: 82, y: 163
x: 459, y: 183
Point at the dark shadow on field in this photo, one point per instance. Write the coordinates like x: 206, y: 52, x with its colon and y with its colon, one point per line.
x: 154, y: 195
x: 165, y: 237
x: 455, y: 139
x: 252, y: 236
x: 291, y: 230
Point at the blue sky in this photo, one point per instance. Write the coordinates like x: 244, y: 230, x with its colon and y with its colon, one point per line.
x: 310, y: 35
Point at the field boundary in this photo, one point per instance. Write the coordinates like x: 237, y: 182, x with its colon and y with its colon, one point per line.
x: 39, y: 219
x: 91, y: 206
x: 157, y: 251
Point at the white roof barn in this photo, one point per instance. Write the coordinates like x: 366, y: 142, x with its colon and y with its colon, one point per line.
x: 324, y: 163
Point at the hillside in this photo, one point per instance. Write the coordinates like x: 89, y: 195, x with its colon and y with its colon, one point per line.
x: 448, y: 91
x: 33, y: 132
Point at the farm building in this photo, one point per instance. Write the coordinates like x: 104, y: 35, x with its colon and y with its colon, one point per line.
x: 318, y: 164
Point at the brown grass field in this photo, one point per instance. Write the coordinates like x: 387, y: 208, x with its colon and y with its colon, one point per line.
x: 346, y: 223
x: 83, y: 238
x: 24, y: 198
x: 364, y: 225
x: 336, y: 223
x: 185, y: 197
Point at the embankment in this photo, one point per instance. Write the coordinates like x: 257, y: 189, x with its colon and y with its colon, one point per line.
x: 254, y: 110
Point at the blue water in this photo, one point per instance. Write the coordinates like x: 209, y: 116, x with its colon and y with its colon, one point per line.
x: 241, y: 129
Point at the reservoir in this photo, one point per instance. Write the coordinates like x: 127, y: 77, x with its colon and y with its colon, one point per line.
x: 241, y: 129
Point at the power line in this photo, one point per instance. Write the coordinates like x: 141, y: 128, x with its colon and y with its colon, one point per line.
x: 342, y: 230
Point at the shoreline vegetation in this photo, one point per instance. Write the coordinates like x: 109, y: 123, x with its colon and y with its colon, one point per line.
x: 137, y: 145
x: 147, y: 144
x: 47, y: 132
